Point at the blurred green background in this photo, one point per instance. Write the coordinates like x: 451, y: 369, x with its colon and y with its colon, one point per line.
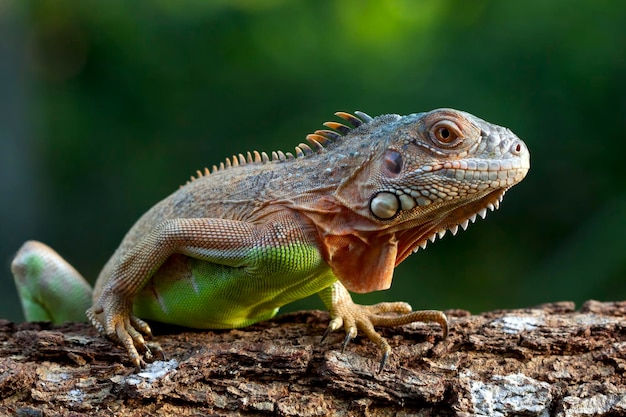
x: 107, y: 107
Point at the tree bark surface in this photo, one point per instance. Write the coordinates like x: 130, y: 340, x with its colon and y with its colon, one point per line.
x: 551, y: 360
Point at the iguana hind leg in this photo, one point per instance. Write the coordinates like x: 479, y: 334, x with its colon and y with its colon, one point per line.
x: 354, y: 317
x: 50, y: 289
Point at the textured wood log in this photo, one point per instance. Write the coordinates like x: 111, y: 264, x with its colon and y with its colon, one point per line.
x: 545, y: 361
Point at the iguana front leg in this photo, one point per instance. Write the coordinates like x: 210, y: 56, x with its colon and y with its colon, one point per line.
x: 354, y: 317
x: 225, y: 242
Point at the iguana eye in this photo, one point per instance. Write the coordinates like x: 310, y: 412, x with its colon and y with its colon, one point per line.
x: 445, y: 134
x: 393, y: 162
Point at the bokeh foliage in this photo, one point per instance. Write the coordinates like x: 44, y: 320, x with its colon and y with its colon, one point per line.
x: 118, y: 102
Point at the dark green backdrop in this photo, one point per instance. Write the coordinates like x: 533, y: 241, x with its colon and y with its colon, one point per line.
x: 107, y: 107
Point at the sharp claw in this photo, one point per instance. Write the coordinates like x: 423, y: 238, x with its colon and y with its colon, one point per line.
x: 159, y: 353
x: 345, y: 342
x: 383, y: 361
x: 326, y: 333
x: 136, y: 360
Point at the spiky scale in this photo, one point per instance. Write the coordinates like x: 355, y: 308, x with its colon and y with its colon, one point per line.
x: 306, y: 149
x: 329, y: 134
x: 364, y: 116
x: 318, y: 142
x: 341, y: 128
x: 353, y: 120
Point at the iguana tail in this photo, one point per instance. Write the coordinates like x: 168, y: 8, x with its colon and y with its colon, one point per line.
x: 50, y: 288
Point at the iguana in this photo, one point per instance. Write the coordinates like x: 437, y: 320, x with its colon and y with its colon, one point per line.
x: 233, y: 245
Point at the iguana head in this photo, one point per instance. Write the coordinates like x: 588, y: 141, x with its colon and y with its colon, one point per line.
x: 418, y: 177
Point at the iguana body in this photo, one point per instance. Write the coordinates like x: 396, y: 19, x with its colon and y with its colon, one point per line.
x: 231, y: 247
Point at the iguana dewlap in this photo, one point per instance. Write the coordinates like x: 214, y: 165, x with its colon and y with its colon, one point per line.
x: 232, y: 246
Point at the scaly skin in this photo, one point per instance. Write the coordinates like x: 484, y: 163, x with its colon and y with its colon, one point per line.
x: 231, y: 247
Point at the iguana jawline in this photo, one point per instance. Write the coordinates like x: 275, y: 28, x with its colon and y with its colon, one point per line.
x: 365, y: 260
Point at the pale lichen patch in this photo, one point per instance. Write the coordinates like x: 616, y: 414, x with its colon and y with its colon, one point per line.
x: 513, y: 324
x: 514, y: 394
x: 153, y: 372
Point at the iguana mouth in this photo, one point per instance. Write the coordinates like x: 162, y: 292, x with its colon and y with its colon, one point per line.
x: 414, y: 239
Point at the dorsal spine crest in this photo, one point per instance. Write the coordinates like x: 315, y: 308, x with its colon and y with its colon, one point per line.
x: 317, y: 143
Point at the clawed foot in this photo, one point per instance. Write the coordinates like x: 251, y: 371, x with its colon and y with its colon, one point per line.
x: 113, y: 318
x: 354, y: 317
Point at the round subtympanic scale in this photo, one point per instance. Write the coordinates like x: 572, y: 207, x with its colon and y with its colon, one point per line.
x: 385, y: 205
